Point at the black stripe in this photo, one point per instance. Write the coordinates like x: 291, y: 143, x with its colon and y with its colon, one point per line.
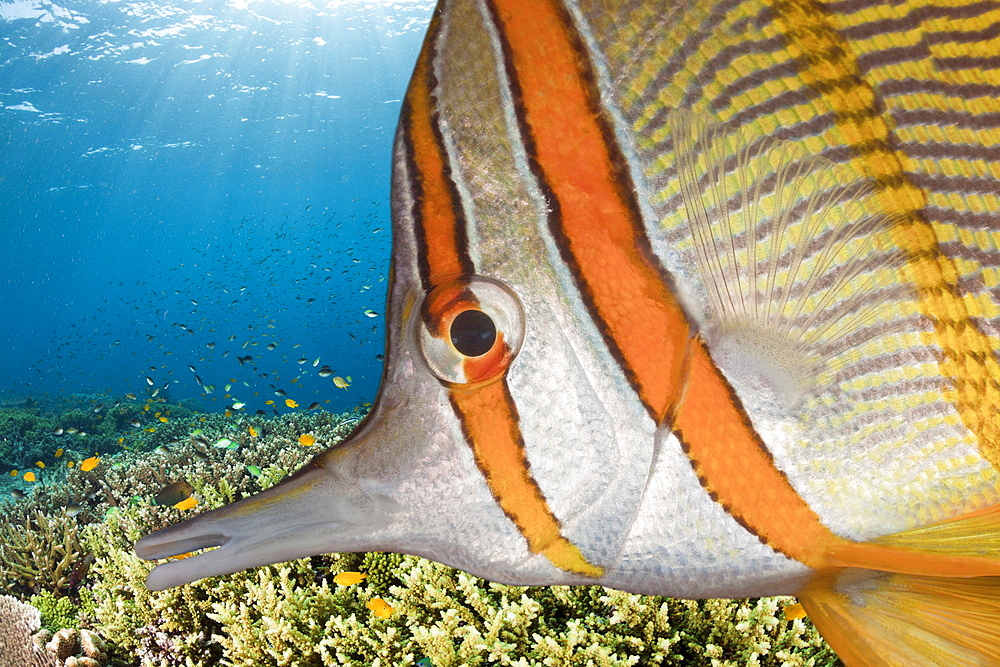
x: 912, y: 20
x: 967, y: 62
x: 866, y: 62
x: 933, y: 150
x: 416, y: 195
x: 910, y: 86
x: 960, y: 184
x: 968, y: 219
x: 940, y: 117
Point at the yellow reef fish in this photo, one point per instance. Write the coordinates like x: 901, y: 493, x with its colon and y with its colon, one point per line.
x: 307, y: 440
x: 90, y: 463
x: 187, y: 503
x: 341, y: 383
x: 380, y: 608
x: 29, y: 476
x: 697, y: 299
x: 291, y: 403
x: 349, y: 578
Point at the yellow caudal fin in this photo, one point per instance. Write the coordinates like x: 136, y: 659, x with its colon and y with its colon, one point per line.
x: 927, y: 596
x: 879, y: 619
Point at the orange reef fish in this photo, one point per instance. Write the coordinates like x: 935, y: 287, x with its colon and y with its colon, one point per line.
x: 187, y: 504
x: 307, y: 440
x: 380, y: 608
x: 349, y: 578
x: 89, y: 464
x: 696, y: 301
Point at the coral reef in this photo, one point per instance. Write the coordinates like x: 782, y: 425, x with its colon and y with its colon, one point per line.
x: 38, y: 552
x: 18, y: 623
x: 293, y: 613
x: 73, y: 648
x: 57, y: 612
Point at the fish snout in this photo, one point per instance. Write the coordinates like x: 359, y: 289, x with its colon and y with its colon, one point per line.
x: 319, y: 509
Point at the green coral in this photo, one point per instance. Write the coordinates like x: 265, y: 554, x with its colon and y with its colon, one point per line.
x: 39, y: 553
x: 282, y: 616
x: 383, y: 570
x: 57, y: 612
x: 293, y: 614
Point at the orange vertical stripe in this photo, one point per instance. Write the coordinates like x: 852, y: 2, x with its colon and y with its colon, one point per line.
x: 735, y: 468
x: 594, y: 216
x: 596, y: 222
x: 486, y: 412
x: 441, y: 229
x: 489, y: 420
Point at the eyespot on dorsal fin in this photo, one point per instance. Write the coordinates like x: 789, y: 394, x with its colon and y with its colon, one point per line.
x: 795, y: 256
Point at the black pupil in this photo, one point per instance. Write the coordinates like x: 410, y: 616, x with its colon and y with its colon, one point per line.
x: 473, y: 333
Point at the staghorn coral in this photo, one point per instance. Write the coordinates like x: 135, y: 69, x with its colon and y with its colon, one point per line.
x: 285, y: 622
x: 456, y: 619
x: 383, y: 570
x: 39, y: 553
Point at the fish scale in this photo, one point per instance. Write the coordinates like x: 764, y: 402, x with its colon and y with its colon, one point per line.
x: 739, y: 277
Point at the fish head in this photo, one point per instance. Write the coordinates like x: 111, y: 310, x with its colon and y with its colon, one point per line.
x: 510, y: 438
x: 488, y: 449
x: 503, y: 440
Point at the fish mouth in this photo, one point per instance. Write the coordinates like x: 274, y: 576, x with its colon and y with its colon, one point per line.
x: 316, y: 510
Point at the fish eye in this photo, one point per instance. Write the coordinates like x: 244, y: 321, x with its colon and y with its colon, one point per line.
x: 469, y: 329
x: 473, y: 333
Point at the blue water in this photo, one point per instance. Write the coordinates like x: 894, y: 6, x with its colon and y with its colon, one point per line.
x: 185, y: 183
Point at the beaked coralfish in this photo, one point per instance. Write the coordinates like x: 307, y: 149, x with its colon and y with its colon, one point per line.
x: 696, y: 299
